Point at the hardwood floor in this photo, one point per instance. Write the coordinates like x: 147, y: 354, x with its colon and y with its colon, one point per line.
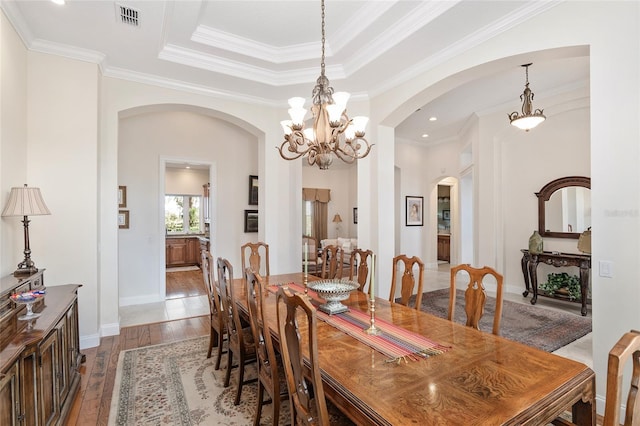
x: 184, y: 284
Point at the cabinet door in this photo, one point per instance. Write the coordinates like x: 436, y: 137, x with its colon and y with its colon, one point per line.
x: 49, y: 407
x: 29, y: 386
x: 193, y: 251
x: 176, y: 251
x: 63, y: 360
x: 10, y: 397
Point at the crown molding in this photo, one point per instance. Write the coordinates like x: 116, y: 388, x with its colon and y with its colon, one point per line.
x: 255, y: 49
x: 528, y: 11
x: 198, y: 89
x: 196, y: 59
x: 71, y: 52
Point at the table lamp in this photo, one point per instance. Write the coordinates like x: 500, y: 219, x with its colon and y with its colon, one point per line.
x: 25, y: 202
x: 337, y: 219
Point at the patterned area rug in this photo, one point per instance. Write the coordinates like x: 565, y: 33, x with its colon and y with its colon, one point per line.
x: 175, y: 384
x: 534, y: 326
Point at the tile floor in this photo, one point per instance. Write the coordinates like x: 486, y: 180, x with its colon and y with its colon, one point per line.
x: 172, y: 309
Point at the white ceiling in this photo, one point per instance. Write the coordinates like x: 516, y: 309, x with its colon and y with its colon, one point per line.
x: 268, y: 51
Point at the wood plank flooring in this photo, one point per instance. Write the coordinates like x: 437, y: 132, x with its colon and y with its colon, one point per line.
x: 184, y: 284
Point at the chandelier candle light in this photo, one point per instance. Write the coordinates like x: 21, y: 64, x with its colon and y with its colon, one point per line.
x: 529, y: 118
x: 333, y: 132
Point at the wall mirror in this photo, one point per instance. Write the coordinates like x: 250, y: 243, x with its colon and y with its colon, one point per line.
x: 564, y: 207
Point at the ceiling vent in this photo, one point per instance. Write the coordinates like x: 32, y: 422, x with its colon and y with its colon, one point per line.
x: 128, y: 15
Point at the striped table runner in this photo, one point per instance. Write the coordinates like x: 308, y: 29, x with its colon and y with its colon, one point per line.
x: 393, y: 341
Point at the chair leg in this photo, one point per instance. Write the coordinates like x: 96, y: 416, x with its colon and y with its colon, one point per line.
x: 227, y: 378
x: 256, y: 421
x: 240, y: 377
x: 213, y: 341
x: 276, y: 410
x: 220, y: 343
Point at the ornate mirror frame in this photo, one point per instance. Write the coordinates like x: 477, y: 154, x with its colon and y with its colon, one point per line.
x: 545, y: 193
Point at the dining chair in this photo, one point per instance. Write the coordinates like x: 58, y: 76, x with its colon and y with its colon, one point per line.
x: 312, y: 261
x: 218, y: 328
x: 475, y: 295
x: 408, y: 281
x: 307, y: 400
x: 628, y: 347
x: 270, y: 371
x: 359, y: 266
x: 253, y: 255
x: 240, y: 338
x: 332, y: 262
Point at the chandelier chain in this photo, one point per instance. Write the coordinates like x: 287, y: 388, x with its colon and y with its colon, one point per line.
x: 323, y: 38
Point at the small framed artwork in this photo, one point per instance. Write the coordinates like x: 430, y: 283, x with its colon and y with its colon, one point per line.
x: 253, y: 190
x: 415, y: 213
x: 251, y: 221
x: 123, y: 219
x: 446, y: 214
x: 122, y: 197
x: 355, y: 215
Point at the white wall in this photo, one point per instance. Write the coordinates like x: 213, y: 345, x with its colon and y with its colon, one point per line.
x: 146, y: 138
x: 13, y: 137
x: 185, y: 181
x: 62, y: 112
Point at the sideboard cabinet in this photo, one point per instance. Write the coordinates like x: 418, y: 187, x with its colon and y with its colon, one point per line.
x: 39, y: 358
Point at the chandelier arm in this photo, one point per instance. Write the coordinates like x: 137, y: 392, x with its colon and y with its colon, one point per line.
x: 354, y: 148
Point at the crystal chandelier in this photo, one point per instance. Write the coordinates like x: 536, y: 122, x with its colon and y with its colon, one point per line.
x: 333, y: 132
x: 528, y: 120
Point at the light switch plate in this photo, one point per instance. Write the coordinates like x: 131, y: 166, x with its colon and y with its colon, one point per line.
x: 606, y: 268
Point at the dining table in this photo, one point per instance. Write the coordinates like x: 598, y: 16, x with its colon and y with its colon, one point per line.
x: 463, y: 377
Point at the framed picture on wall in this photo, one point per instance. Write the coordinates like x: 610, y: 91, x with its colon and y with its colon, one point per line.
x: 446, y: 214
x: 123, y: 219
x: 251, y: 221
x: 355, y: 215
x: 253, y: 190
x: 414, y: 210
x: 122, y: 197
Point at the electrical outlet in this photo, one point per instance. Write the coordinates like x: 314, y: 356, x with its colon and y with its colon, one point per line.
x: 606, y: 268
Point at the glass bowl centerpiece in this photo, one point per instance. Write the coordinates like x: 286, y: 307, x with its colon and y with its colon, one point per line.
x: 333, y: 291
x: 28, y: 298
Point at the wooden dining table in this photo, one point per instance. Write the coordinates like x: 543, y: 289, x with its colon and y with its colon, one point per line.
x: 482, y: 379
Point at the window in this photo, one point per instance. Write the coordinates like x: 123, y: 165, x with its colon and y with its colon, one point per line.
x: 177, y: 219
x: 307, y: 218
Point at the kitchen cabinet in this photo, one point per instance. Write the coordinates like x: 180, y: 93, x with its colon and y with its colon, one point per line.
x: 182, y: 251
x: 39, y: 362
x: 444, y: 247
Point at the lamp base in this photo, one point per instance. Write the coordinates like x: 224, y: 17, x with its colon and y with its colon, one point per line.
x: 25, y: 272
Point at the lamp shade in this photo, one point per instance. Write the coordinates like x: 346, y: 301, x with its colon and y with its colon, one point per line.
x: 24, y: 201
x: 337, y: 218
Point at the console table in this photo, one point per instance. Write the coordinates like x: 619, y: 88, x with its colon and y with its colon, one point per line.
x: 530, y: 263
x: 39, y: 358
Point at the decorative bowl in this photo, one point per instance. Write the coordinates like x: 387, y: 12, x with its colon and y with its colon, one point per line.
x: 28, y: 298
x: 333, y: 291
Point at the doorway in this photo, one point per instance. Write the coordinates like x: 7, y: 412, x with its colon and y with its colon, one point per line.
x: 444, y: 224
x: 186, y: 217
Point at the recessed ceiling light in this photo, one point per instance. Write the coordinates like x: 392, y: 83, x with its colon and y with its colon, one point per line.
x: 188, y: 167
x: 433, y: 118
x: 60, y: 2
x: 424, y: 135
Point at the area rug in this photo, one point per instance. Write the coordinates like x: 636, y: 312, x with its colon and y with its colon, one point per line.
x: 534, y: 326
x: 175, y: 384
